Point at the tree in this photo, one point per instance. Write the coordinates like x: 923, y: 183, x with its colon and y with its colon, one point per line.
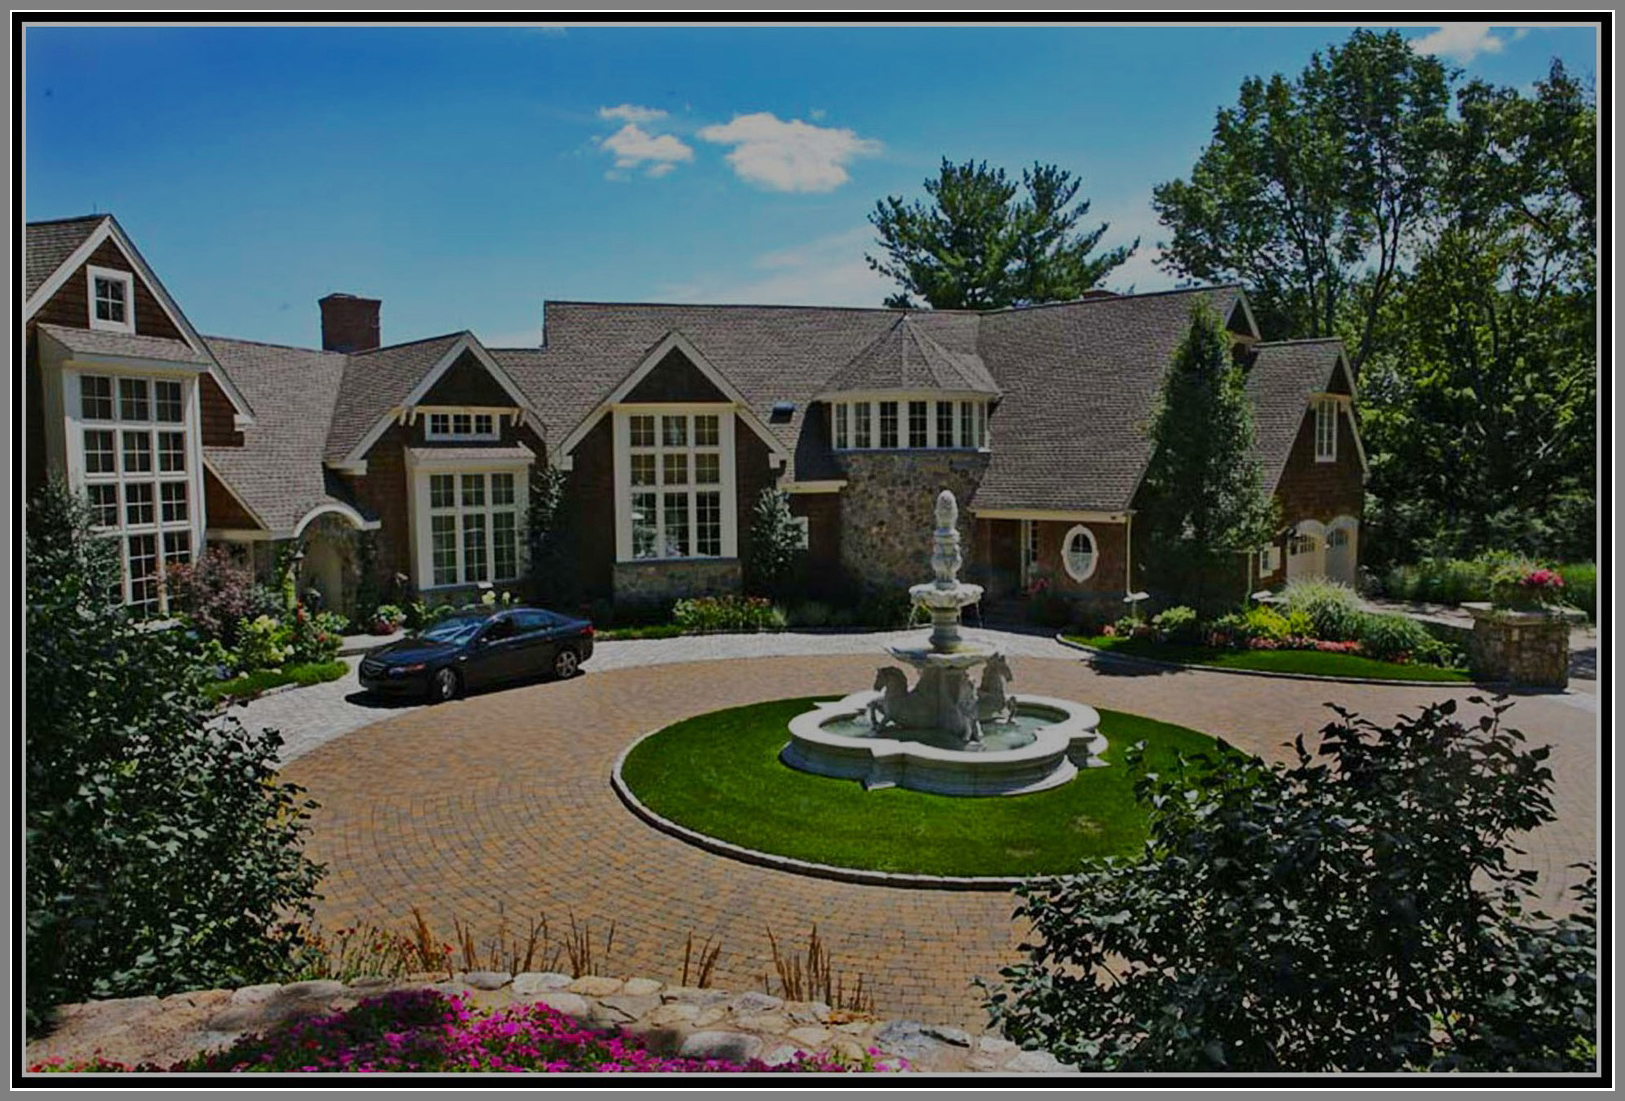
x: 775, y: 551
x: 1312, y: 190
x: 1355, y: 910
x: 554, y: 578
x: 976, y: 246
x: 1203, y: 499
x: 1480, y: 411
x: 162, y: 853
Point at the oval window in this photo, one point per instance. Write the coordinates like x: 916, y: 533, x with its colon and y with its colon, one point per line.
x: 1078, y: 553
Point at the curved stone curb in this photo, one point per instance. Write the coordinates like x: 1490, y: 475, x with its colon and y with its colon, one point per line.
x: 805, y: 867
x: 1136, y: 659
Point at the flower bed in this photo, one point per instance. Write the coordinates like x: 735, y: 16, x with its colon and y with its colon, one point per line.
x: 425, y: 1030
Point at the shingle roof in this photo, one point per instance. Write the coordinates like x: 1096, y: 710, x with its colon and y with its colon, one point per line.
x: 472, y: 454
x: 47, y: 245
x: 1280, y: 382
x: 377, y: 381
x: 102, y: 342
x: 1079, y: 381
x: 278, y: 471
x: 905, y: 357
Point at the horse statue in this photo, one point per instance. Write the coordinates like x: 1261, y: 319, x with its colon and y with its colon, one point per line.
x: 993, y: 703
x: 896, y: 705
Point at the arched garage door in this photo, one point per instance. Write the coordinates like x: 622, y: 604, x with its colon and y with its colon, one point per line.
x: 1342, y: 549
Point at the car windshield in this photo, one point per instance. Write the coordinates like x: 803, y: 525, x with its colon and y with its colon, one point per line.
x: 453, y: 630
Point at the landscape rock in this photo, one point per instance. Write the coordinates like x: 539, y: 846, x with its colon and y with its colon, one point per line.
x: 696, y: 995
x: 571, y: 1005
x: 774, y: 1023
x: 755, y: 1002
x: 596, y: 986
x: 312, y: 989
x: 642, y: 987
x: 948, y: 1035
x: 995, y: 1045
x: 253, y: 995
x: 1036, y: 1062
x: 736, y: 1047
x: 631, y: 1006
x: 807, y: 1013
x: 535, y: 982
x: 710, y: 1015
x: 487, y: 980
x: 811, y: 1037
x: 781, y: 1054
x: 908, y: 1039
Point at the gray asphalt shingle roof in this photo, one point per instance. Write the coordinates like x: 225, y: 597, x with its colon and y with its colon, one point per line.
x: 47, y: 245
x: 905, y: 357
x: 1280, y: 383
x: 102, y: 342
x: 1079, y: 382
x: 377, y: 381
x: 278, y: 471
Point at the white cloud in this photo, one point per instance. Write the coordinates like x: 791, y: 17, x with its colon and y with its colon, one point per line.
x: 829, y: 271
x: 1461, y: 41
x: 628, y: 112
x: 788, y: 155
x: 634, y: 148
x: 1125, y: 221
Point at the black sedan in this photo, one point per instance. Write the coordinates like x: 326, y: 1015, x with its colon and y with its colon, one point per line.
x: 473, y: 649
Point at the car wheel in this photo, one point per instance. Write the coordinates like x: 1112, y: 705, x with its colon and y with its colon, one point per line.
x: 444, y: 686
x: 565, y: 663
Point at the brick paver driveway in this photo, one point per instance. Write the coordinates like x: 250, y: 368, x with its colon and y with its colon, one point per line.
x: 500, y: 806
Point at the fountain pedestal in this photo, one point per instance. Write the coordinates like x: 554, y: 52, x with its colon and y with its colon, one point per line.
x: 934, y: 736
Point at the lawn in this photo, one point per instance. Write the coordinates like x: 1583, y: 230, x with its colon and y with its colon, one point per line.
x: 249, y: 685
x: 1314, y: 663
x: 719, y: 774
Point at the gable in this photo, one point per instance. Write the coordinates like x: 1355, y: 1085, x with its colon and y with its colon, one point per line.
x: 675, y: 379
x: 70, y: 305
x: 467, y: 382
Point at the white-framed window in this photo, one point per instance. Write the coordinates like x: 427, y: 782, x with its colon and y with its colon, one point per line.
x: 1269, y: 559
x: 915, y: 423
x: 1301, y: 544
x: 130, y: 438
x: 1029, y: 549
x: 1079, y: 553
x: 473, y: 525
x: 803, y: 528
x: 112, y: 299
x: 674, y: 483
x: 1326, y: 430
x: 460, y: 424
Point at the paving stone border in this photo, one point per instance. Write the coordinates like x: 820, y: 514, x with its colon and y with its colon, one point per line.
x: 689, y: 1022
x: 802, y: 867
x: 1098, y: 657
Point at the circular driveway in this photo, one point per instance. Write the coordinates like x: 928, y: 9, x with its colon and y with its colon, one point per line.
x: 498, y: 808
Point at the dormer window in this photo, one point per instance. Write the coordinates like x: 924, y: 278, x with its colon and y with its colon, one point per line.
x: 112, y: 300
x: 460, y: 425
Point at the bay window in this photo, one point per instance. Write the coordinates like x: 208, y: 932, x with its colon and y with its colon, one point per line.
x: 674, y: 488
x: 130, y: 441
x: 473, y: 526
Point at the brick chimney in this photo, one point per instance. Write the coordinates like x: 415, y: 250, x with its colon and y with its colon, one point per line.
x: 349, y: 323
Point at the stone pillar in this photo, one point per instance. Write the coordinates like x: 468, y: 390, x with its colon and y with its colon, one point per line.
x: 1525, y: 647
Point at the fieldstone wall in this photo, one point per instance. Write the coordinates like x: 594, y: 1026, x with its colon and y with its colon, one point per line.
x: 1525, y: 647
x: 651, y: 582
x: 887, y: 511
x: 688, y: 1022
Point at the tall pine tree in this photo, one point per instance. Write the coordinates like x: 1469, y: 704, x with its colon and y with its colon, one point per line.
x: 1203, y: 500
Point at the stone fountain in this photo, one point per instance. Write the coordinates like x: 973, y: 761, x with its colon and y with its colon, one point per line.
x: 946, y: 734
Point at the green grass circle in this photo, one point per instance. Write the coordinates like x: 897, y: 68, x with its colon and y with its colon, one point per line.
x: 720, y: 775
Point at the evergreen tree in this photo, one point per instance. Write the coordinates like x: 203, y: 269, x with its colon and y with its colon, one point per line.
x: 775, y: 551
x: 976, y: 245
x: 554, y: 578
x: 163, y: 854
x: 1203, y: 498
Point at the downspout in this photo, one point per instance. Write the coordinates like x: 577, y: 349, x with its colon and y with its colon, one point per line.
x: 1128, y: 552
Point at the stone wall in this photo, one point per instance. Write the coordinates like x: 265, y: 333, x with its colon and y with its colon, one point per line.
x: 887, y: 511
x: 689, y: 1022
x: 652, y: 582
x: 1525, y: 647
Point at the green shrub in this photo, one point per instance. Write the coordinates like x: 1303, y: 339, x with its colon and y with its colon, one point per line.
x: 1264, y: 621
x: 810, y: 613
x: 249, y: 685
x: 726, y: 613
x: 1580, y: 586
x: 1300, y: 625
x: 1232, y: 628
x: 1355, y: 910
x: 1386, y: 637
x: 1332, y: 607
x: 884, y: 608
x: 394, y: 616
x: 775, y: 556
x: 309, y: 642
x: 1177, y: 624
x: 262, y: 643
x: 162, y: 852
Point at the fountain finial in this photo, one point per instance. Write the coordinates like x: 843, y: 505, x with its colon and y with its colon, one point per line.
x: 947, y: 509
x: 945, y: 556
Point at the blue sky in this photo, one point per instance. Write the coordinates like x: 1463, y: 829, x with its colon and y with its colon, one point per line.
x: 465, y: 175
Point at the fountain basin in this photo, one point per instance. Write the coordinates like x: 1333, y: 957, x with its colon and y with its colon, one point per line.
x: 897, y: 758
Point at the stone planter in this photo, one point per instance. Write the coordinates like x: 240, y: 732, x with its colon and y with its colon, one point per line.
x: 1523, y: 646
